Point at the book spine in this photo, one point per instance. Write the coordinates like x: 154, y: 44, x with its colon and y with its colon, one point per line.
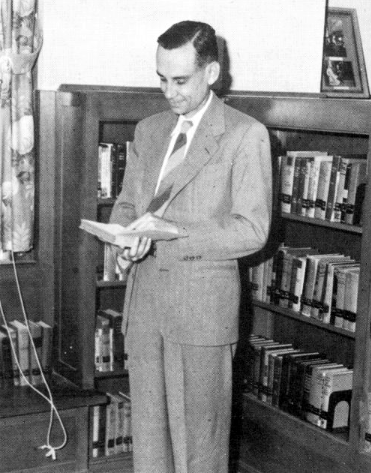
x: 287, y: 180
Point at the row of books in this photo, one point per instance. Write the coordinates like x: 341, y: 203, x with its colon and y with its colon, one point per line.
x: 112, y: 158
x: 15, y: 344
x: 111, y: 426
x: 110, y: 352
x: 316, y: 185
x: 321, y: 286
x: 304, y: 383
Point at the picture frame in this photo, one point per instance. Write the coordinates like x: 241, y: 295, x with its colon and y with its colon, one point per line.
x: 343, y: 69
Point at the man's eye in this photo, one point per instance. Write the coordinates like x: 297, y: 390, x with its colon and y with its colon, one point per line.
x: 181, y: 81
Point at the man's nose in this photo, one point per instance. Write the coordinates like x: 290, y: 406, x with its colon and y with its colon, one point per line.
x: 170, y: 91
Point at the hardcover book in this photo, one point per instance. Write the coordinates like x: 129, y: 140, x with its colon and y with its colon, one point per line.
x: 116, y: 234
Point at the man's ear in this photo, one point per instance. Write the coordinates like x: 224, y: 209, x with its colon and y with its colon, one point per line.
x: 213, y: 72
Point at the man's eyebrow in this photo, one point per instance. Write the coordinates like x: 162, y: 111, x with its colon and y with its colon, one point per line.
x: 174, y: 78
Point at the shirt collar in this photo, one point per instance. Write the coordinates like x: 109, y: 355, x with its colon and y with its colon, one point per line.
x: 196, y: 117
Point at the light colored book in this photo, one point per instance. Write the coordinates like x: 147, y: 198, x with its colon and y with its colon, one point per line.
x: 339, y: 382
x: 117, y: 234
x: 23, y: 350
x: 322, y: 190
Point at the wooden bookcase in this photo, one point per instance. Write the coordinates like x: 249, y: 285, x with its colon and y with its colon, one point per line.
x: 78, y: 118
x: 272, y: 439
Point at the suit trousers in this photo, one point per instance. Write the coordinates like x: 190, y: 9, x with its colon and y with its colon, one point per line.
x: 180, y: 394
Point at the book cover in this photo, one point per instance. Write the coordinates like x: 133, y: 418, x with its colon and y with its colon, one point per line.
x: 322, y: 189
x: 313, y: 406
x: 333, y: 188
x: 358, y: 175
x: 340, y: 383
x: 98, y: 430
x: 302, y: 200
x: 287, y: 363
x: 299, y: 264
x: 110, y: 434
x: 300, y: 383
x: 118, y: 407
x: 35, y: 353
x: 102, y: 332
x: 328, y: 290
x: 127, y: 429
x: 248, y: 370
x: 6, y: 366
x: 46, y: 347
x: 267, y: 390
x: 318, y: 292
x: 122, y: 152
x: 351, y: 299
x: 264, y: 366
x: 256, y: 347
x: 106, y: 158
x: 313, y: 183
x: 13, y: 345
x: 115, y: 233
x: 338, y: 294
x: 23, y: 352
x: 295, y: 185
x: 309, y: 282
x: 115, y: 320
x: 287, y: 181
x: 257, y: 276
x: 295, y: 382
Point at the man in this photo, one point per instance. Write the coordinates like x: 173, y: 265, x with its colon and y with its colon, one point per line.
x: 182, y: 301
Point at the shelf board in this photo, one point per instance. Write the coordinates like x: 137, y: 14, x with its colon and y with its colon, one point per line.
x: 297, y: 435
x: 118, y: 462
x: 356, y: 229
x: 101, y: 283
x: 118, y: 373
x: 277, y: 416
x: 24, y: 400
x: 302, y: 318
x: 106, y: 202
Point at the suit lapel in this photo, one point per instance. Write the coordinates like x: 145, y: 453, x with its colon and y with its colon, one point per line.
x: 204, y: 145
x: 158, y: 144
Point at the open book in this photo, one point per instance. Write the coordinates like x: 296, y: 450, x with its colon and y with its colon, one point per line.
x: 118, y: 235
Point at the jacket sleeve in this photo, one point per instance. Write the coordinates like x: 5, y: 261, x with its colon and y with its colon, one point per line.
x: 244, y: 229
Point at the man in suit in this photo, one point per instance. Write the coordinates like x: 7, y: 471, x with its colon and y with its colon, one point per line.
x: 182, y: 298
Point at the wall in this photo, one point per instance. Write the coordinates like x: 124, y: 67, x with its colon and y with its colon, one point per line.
x: 113, y: 42
x: 274, y: 45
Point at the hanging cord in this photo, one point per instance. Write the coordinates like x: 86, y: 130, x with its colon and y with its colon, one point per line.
x: 49, y: 398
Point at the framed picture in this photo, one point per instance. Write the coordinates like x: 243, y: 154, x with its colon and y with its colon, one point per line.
x: 343, y: 69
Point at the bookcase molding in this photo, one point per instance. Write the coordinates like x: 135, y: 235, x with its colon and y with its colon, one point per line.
x: 75, y: 118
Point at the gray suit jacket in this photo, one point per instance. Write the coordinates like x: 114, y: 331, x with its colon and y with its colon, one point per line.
x: 222, y: 198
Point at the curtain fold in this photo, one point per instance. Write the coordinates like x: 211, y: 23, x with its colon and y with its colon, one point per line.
x: 20, y: 43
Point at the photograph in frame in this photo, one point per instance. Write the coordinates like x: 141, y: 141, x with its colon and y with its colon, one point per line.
x: 344, y: 71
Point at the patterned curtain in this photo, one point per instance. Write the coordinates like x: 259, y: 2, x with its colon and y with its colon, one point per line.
x: 20, y: 43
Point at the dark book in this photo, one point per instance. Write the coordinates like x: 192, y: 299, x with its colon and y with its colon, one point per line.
x: 115, y: 322
x: 122, y: 152
x: 296, y: 388
x: 333, y: 187
x: 264, y: 367
x: 6, y: 367
x: 288, y: 372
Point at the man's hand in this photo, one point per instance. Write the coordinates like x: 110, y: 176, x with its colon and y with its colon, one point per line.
x: 137, y: 251
x: 149, y: 221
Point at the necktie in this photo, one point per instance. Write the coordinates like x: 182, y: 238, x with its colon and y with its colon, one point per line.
x: 158, y: 203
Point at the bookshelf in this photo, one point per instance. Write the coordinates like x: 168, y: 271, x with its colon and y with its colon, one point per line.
x: 78, y: 118
x: 272, y: 436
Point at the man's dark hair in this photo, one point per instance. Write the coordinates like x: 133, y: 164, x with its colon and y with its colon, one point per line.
x: 201, y: 35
